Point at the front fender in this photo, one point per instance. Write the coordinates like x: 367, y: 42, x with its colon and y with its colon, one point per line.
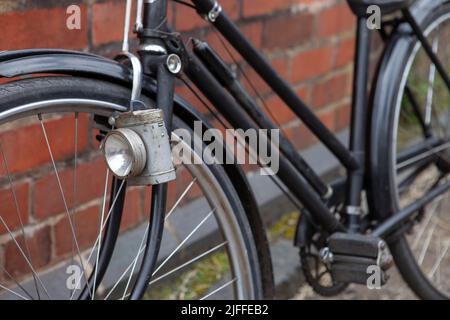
x: 26, y: 62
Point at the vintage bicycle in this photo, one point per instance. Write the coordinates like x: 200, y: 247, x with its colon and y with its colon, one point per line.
x: 392, y: 204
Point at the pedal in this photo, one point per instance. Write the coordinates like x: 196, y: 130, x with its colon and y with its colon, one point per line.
x: 353, y: 258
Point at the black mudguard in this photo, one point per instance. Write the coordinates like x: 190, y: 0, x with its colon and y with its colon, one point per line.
x: 387, y: 82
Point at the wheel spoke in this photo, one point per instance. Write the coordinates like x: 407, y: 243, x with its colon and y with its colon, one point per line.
x: 142, y: 246
x: 16, y: 282
x: 439, y: 260
x: 69, y: 217
x: 424, y: 226
x: 219, y: 289
x: 98, y: 237
x: 24, y: 256
x: 182, y: 196
x: 417, y: 112
x: 427, y: 243
x: 19, y: 215
x: 423, y: 155
x: 406, y: 182
x: 13, y: 292
x: 141, y: 249
x: 100, y: 233
x: 74, y: 192
x: 184, y: 241
x: 184, y: 265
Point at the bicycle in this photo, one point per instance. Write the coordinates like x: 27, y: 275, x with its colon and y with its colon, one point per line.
x: 397, y: 157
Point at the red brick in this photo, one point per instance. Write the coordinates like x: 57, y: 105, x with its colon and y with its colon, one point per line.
x: 343, y: 117
x: 288, y: 31
x: 300, y: 136
x: 281, y: 67
x: 47, y: 199
x: 261, y: 7
x: 313, y: 63
x: 25, y: 147
x: 42, y: 28
x: 327, y: 118
x: 345, y: 52
x: 39, y: 244
x: 331, y: 90
x: 184, y: 178
x: 188, y: 19
x: 185, y: 93
x: 334, y: 20
x: 281, y: 113
x: 86, y: 224
x: 108, y: 21
x: 8, y: 209
x: 253, y: 32
x: 132, y: 213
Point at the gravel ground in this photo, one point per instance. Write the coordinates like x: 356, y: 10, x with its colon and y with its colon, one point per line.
x: 395, y: 289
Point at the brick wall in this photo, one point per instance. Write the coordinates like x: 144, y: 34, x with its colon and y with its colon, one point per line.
x: 309, y: 42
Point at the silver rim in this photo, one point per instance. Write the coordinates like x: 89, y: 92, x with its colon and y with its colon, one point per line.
x: 238, y: 280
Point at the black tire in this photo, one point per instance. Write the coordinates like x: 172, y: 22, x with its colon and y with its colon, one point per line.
x: 27, y: 91
x: 384, y: 199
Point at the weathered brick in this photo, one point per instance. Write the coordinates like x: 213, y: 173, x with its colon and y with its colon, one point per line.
x: 42, y: 28
x: 343, y: 116
x: 312, y: 63
x: 334, y: 20
x: 261, y: 7
x: 280, y: 111
x: 40, y: 252
x: 25, y: 148
x: 187, y: 19
x: 133, y: 208
x: 345, y: 52
x: 283, y: 32
x: 8, y: 209
x: 47, y: 198
x: 86, y: 226
x: 331, y: 90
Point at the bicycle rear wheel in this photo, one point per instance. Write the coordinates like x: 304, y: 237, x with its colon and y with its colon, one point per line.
x: 416, y: 159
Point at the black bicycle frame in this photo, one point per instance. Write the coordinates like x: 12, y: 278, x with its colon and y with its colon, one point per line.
x: 240, y: 111
x: 352, y: 158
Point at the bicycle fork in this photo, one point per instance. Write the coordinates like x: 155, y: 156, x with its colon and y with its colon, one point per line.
x: 144, y: 132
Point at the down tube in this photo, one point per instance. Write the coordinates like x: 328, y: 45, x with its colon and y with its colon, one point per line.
x: 231, y: 110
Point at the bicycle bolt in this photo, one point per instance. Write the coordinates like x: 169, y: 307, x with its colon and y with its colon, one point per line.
x: 112, y: 121
x: 174, y: 63
x: 326, y: 255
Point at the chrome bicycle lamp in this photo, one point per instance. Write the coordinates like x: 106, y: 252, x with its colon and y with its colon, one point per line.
x: 139, y: 149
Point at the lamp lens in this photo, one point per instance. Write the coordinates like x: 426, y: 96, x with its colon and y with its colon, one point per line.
x: 119, y: 155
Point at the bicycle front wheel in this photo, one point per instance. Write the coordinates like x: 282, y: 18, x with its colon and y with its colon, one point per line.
x: 68, y: 229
